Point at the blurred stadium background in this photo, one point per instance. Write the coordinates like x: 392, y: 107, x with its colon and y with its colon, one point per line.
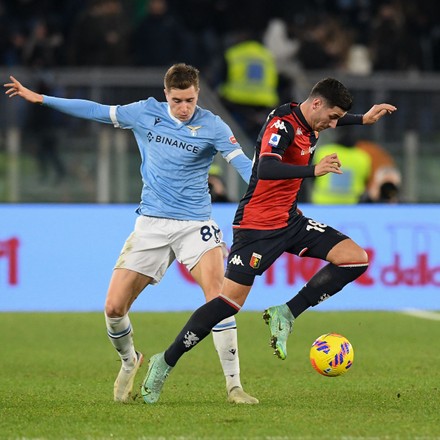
x: 116, y: 52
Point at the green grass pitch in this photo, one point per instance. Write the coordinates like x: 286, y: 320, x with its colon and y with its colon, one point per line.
x: 57, y: 373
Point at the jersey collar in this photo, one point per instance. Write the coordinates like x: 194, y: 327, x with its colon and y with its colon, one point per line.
x: 299, y: 114
x: 178, y: 121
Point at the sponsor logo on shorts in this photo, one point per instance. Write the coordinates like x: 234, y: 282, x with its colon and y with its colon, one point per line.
x: 255, y: 260
x: 236, y: 259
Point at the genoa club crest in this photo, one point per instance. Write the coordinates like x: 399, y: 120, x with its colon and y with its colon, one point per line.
x: 255, y: 260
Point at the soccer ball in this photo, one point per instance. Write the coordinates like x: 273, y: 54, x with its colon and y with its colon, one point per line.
x: 331, y: 354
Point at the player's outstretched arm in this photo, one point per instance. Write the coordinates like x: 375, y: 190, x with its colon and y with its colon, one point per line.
x: 376, y: 112
x: 80, y: 108
x: 15, y: 88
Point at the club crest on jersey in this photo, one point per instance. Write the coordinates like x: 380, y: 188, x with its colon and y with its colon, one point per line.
x: 279, y: 125
x: 255, y: 261
x: 194, y: 129
x: 274, y: 140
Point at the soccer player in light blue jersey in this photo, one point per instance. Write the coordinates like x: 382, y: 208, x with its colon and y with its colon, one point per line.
x: 177, y: 141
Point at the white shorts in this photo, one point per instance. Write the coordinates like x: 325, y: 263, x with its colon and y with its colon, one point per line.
x: 156, y: 242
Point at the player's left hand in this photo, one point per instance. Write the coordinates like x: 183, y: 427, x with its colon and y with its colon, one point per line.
x: 376, y: 112
x: 328, y: 164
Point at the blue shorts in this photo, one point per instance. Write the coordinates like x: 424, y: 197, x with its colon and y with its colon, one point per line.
x: 253, y: 251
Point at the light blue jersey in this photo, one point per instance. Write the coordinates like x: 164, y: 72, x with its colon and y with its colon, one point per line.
x: 176, y: 156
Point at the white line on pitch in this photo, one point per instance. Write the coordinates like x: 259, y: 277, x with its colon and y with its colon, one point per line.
x: 425, y: 314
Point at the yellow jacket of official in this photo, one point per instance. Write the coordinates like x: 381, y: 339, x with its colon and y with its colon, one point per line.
x: 346, y: 188
x: 252, y: 76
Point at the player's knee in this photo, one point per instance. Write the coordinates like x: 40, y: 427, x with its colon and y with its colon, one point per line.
x: 113, y: 310
x: 363, y: 256
x: 347, y: 252
x: 212, y: 288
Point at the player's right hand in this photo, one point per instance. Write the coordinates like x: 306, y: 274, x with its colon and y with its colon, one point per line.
x: 15, y: 88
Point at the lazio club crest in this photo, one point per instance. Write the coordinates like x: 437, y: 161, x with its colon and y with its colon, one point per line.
x: 194, y: 129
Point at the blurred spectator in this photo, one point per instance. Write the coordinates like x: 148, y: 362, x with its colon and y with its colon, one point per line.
x: 378, y: 155
x: 324, y: 44
x: 201, y: 29
x: 385, y: 187
x: 232, y: 15
x: 277, y: 39
x: 346, y: 188
x: 4, y: 34
x: 358, y: 60
x: 435, y: 45
x: 100, y: 35
x: 159, y: 39
x: 216, y: 184
x: 12, y: 42
x: 43, y: 124
x: 398, y: 34
x: 419, y: 24
x: 312, y: 53
x: 42, y: 48
x: 392, y: 46
x: 385, y: 180
x: 250, y: 86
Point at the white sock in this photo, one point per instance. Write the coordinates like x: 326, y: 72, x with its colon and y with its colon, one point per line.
x: 224, y: 335
x: 120, y: 334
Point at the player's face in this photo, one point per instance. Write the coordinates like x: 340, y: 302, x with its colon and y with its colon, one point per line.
x: 323, y: 116
x: 182, y: 102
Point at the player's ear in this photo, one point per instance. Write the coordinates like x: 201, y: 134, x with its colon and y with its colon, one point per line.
x: 316, y: 103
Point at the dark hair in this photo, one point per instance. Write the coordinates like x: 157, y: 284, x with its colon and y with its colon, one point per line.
x: 334, y: 92
x: 181, y: 76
